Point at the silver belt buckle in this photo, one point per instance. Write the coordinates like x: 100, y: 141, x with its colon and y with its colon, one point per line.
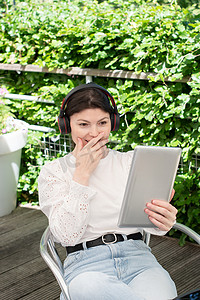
x: 107, y: 243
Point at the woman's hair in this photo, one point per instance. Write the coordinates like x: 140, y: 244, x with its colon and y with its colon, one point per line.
x: 88, y: 98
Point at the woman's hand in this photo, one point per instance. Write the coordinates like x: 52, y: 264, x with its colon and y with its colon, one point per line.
x: 88, y: 157
x: 161, y: 213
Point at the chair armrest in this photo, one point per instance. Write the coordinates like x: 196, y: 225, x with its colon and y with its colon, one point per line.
x: 45, y: 242
x: 146, y: 237
x: 185, y: 229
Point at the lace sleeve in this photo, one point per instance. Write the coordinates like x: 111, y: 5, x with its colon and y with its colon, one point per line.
x: 65, y: 203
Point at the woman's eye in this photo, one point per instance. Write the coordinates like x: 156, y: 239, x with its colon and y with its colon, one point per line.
x: 83, y: 124
x: 103, y: 123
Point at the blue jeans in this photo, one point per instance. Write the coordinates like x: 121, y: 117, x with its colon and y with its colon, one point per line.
x: 124, y: 270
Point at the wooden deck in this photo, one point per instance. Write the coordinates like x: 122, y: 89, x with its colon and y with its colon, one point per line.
x: 24, y: 275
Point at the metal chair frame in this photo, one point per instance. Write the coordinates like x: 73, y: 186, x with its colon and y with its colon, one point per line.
x: 49, y: 253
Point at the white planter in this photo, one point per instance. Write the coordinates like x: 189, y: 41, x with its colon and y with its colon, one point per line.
x: 11, y: 145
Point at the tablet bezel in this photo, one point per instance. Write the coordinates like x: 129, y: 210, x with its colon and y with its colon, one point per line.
x: 152, y: 167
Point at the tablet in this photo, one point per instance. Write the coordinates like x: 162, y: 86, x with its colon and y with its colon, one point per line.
x: 151, y: 176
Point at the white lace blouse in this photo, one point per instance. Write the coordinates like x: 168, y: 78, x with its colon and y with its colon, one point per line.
x: 80, y: 213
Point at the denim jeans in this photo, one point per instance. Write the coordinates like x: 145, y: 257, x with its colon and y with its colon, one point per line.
x: 124, y: 270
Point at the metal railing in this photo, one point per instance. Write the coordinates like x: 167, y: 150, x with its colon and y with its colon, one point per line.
x: 61, y: 145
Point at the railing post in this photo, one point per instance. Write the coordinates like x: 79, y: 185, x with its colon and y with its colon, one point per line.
x: 88, y: 79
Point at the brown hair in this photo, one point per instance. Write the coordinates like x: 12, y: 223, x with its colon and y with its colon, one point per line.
x: 88, y: 98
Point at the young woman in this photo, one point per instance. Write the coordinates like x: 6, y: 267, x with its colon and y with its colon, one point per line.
x: 81, y: 194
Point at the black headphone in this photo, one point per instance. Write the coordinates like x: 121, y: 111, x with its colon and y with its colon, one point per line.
x: 63, y: 120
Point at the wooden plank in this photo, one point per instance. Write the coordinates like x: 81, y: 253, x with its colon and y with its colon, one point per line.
x: 19, y: 220
x: 23, y: 261
x: 50, y: 291
x: 13, y: 237
x: 33, y: 225
x: 20, y: 243
x: 186, y: 278
x: 24, y: 275
x: 183, y: 263
x: 167, y: 251
x: 16, y: 245
x: 86, y: 72
x: 25, y: 287
x: 23, y: 270
x: 19, y: 258
x: 14, y: 214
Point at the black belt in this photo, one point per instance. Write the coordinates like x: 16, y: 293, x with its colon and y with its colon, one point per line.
x: 106, y: 239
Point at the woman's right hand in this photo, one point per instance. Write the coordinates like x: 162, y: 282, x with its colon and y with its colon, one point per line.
x: 88, y: 157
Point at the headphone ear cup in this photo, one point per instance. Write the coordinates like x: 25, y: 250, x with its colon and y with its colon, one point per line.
x: 115, y: 120
x: 64, y: 125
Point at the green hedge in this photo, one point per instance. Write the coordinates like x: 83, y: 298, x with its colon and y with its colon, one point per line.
x: 129, y: 35
x: 136, y: 37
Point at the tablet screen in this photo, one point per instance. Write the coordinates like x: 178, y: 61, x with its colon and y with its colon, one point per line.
x: 151, y: 176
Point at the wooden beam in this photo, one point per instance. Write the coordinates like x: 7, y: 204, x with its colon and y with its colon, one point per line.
x: 86, y: 72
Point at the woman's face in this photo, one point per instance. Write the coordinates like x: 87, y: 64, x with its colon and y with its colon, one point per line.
x: 88, y: 123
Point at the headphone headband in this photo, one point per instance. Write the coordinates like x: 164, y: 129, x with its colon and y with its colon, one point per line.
x: 63, y: 120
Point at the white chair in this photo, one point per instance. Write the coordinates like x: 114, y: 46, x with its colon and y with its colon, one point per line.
x: 52, y: 259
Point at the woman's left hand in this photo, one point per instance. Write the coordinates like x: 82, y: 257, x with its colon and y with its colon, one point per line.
x: 161, y: 213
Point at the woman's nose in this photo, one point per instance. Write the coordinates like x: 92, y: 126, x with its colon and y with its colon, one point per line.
x: 94, y: 131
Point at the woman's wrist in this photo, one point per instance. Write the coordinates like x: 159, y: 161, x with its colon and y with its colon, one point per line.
x: 81, y: 178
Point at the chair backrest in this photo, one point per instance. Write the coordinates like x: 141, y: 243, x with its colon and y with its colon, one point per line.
x: 50, y: 256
